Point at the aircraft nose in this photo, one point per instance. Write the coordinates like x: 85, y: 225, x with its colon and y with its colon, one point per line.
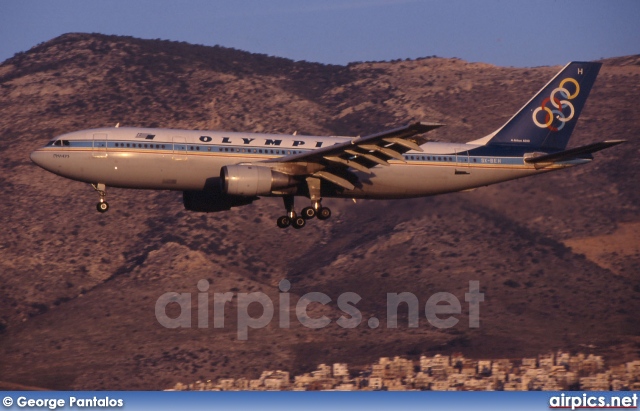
x: 38, y: 158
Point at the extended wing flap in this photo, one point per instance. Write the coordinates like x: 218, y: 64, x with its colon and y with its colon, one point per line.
x: 404, y: 143
x: 360, y: 154
x: 391, y: 153
x: 348, y: 163
x: 573, y: 153
x: 368, y: 156
x: 378, y: 140
x: 339, y: 181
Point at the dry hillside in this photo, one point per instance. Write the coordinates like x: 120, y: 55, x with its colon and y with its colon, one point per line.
x: 556, y: 255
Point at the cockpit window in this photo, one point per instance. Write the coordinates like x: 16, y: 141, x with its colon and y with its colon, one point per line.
x: 58, y: 143
x: 50, y: 143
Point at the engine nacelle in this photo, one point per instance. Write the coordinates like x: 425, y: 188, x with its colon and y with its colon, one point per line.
x: 242, y: 180
x: 212, y: 200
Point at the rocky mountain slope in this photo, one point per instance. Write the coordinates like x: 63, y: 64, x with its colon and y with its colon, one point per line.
x: 556, y: 255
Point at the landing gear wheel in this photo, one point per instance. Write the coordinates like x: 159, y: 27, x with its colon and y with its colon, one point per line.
x: 102, y: 206
x: 324, y: 213
x: 291, y: 218
x: 298, y: 222
x: 308, y: 213
x: 283, y: 222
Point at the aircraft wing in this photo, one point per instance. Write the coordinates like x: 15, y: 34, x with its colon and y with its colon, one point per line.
x: 332, y: 163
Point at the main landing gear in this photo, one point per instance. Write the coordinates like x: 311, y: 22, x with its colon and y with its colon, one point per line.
x: 298, y: 221
x: 316, y: 209
x: 102, y: 206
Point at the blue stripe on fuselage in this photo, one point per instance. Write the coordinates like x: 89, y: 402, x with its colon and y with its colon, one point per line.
x: 475, y: 156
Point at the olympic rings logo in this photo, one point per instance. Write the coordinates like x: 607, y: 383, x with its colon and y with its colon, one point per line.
x: 559, y: 107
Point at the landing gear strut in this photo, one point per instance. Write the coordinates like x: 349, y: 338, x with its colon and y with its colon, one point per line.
x: 102, y: 206
x: 316, y: 209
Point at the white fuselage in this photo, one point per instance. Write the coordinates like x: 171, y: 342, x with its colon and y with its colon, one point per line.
x: 188, y: 160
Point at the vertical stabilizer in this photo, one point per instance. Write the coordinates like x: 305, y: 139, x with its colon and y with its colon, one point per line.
x: 548, y: 119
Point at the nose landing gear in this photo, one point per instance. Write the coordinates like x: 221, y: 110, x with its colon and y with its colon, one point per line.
x: 102, y: 206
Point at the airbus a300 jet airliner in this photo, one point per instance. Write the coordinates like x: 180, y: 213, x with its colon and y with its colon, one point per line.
x: 218, y: 170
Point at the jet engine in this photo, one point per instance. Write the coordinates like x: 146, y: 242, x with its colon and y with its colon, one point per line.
x: 212, y: 200
x: 245, y: 180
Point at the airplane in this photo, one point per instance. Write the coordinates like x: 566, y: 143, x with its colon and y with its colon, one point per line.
x: 218, y: 170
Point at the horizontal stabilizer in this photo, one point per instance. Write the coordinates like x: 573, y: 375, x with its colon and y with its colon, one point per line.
x: 572, y: 153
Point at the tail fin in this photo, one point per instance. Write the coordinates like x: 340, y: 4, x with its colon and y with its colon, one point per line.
x: 548, y: 119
